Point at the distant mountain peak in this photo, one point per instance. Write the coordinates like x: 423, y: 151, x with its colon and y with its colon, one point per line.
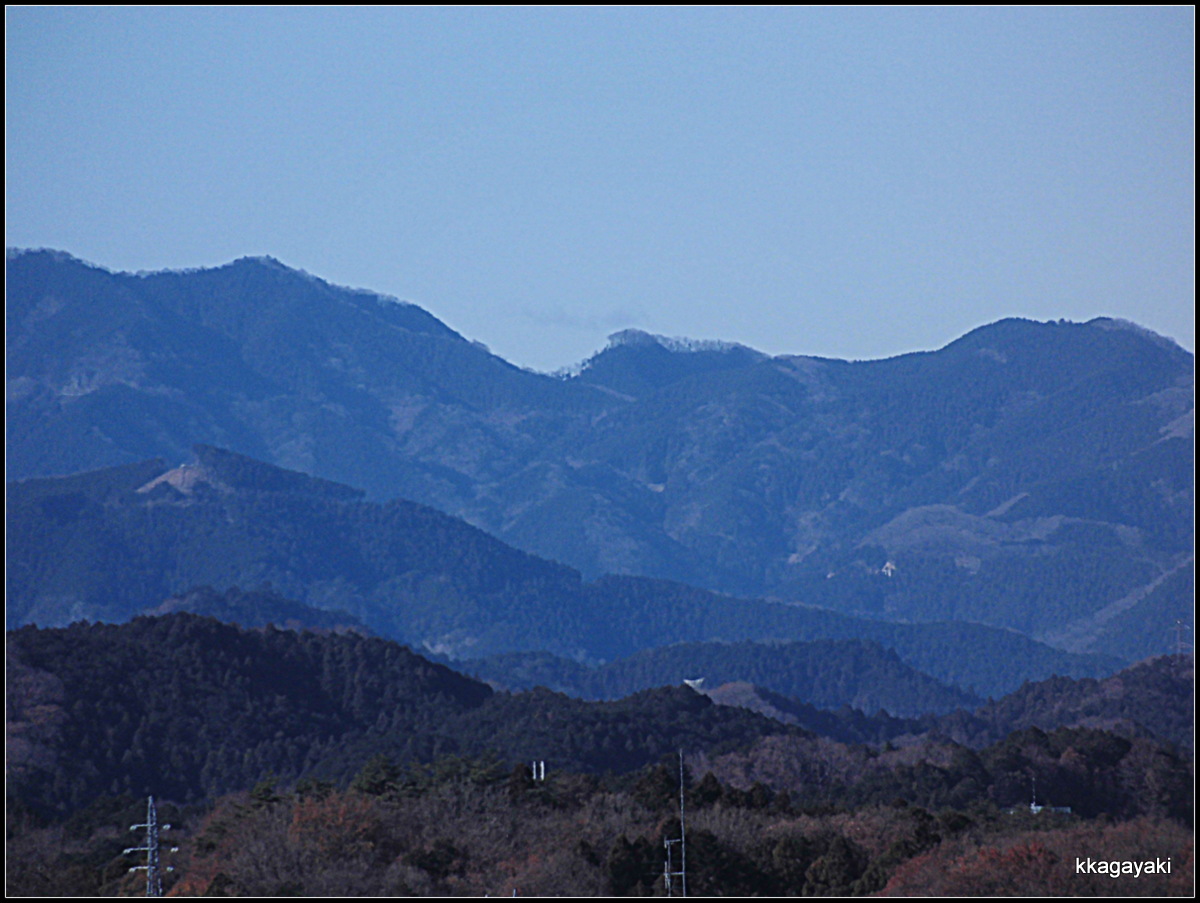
x: 220, y: 468
x: 1064, y: 450
x: 265, y: 260
x: 1116, y: 323
x: 1025, y: 326
x: 678, y: 344
x: 635, y: 362
x: 225, y: 472
x: 58, y: 256
x: 185, y: 479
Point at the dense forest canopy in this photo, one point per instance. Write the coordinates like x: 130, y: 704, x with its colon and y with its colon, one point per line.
x: 319, y: 763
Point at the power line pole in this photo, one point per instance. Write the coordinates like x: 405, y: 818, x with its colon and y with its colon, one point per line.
x: 1181, y: 644
x: 153, y: 875
x: 669, y: 871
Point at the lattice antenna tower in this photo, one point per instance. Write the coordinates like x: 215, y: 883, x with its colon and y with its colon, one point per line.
x: 152, y: 828
x: 669, y: 870
x: 1182, y: 646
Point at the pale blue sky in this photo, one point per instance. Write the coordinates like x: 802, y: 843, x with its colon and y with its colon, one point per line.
x: 841, y: 182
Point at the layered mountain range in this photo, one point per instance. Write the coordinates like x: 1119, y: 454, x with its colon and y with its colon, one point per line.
x: 884, y: 607
x: 1035, y: 477
x: 111, y: 544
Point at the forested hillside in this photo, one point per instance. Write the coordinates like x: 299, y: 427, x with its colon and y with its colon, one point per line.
x: 1154, y: 699
x: 114, y: 543
x: 320, y: 764
x: 825, y: 673
x: 188, y: 708
x: 1029, y: 476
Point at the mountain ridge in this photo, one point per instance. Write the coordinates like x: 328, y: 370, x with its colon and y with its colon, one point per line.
x: 1064, y: 452
x: 93, y: 547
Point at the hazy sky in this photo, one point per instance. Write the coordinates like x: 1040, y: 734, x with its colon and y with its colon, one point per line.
x: 840, y: 182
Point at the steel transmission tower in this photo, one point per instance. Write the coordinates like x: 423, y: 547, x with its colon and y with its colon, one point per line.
x: 153, y: 873
x: 669, y: 871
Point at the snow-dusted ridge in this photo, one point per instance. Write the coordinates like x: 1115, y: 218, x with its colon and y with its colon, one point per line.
x: 264, y: 260
x: 1129, y: 326
x: 674, y: 343
x: 54, y: 254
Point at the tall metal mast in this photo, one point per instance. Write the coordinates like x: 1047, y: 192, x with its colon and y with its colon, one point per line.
x: 153, y: 876
x: 1181, y: 645
x: 668, y: 869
